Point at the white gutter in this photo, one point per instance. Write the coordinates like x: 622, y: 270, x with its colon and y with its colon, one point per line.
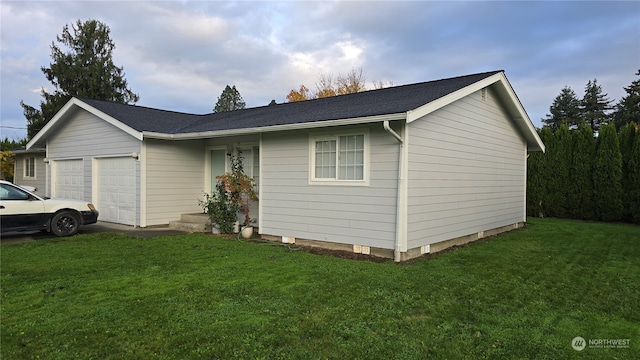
x: 387, y: 127
x: 262, y: 129
x: 401, y: 201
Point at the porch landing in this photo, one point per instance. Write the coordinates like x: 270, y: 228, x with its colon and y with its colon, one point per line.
x: 198, y: 222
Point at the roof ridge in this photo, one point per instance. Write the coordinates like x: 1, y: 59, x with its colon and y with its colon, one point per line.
x: 285, y: 103
x: 389, y: 100
x: 373, y: 90
x: 83, y: 99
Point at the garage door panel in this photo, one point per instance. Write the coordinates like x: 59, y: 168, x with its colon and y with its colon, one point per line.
x: 69, y: 179
x: 116, y: 190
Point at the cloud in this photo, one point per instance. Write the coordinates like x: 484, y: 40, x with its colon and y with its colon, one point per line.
x: 179, y: 55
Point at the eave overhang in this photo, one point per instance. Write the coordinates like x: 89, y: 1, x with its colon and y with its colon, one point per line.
x: 274, y: 128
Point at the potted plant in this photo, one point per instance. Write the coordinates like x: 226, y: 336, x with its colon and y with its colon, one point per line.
x: 240, y: 189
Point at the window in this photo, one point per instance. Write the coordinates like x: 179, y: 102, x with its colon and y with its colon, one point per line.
x: 339, y: 158
x: 8, y: 192
x: 30, y: 167
x: 251, y: 163
x: 325, y: 159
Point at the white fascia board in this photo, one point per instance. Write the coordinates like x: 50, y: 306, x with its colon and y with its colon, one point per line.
x: 534, y: 142
x: 56, y: 118
x: 413, y: 115
x: 508, y: 96
x: 59, y: 117
x: 263, y: 129
x: 111, y: 120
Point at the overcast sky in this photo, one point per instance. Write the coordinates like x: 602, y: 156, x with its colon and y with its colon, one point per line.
x: 179, y: 55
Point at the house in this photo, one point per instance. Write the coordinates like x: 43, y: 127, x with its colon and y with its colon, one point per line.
x: 395, y: 172
x: 29, y: 168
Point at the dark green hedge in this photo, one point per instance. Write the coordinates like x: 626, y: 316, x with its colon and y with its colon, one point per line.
x: 582, y: 176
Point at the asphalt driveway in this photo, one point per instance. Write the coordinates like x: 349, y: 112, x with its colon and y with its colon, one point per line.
x: 100, y: 226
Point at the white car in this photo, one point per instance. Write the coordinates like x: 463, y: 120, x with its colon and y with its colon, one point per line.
x: 22, y: 210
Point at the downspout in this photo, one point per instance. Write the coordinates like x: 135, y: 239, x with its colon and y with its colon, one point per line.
x: 401, y: 196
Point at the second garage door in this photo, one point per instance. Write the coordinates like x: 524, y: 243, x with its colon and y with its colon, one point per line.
x: 117, y: 190
x: 68, y: 179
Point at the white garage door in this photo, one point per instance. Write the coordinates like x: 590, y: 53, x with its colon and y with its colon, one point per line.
x: 68, y: 179
x: 117, y: 190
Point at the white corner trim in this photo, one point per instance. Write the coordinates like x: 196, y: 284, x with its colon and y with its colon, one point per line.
x: 402, y: 211
x: 260, y: 187
x: 143, y: 184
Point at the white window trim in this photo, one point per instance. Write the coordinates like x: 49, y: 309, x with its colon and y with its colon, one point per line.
x: 244, y: 147
x: 313, y: 137
x: 26, y: 168
x: 249, y: 146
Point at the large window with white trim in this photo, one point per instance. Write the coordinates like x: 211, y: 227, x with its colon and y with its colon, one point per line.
x: 339, y: 158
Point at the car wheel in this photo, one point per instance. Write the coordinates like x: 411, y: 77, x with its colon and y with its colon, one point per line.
x: 65, y: 223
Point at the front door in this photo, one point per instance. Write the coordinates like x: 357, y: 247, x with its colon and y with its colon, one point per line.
x: 218, y: 165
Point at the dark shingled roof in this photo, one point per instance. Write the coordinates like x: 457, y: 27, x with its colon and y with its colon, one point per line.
x: 392, y: 100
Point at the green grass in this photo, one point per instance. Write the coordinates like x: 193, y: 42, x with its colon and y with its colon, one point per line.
x: 522, y: 295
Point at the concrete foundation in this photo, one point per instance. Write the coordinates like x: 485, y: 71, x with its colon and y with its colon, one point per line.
x: 404, y: 256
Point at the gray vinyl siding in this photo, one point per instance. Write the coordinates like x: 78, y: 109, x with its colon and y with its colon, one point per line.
x: 40, y: 180
x: 174, y: 179
x: 86, y: 136
x: 466, y: 171
x: 363, y: 215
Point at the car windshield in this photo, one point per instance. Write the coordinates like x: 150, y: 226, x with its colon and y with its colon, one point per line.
x: 8, y: 192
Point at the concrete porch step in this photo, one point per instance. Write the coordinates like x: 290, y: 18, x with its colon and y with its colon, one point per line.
x: 191, y: 222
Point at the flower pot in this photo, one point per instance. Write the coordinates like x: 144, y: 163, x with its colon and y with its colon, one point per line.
x: 247, y: 231
x: 214, y: 230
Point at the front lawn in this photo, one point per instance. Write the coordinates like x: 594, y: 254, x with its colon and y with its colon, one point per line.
x: 522, y: 295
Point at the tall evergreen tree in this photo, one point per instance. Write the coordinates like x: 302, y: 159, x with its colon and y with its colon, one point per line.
x: 580, y: 187
x: 82, y: 67
x: 628, y: 108
x: 607, y: 175
x: 229, y: 100
x: 626, y: 138
x: 558, y: 169
x: 546, y: 196
x: 595, y: 105
x: 633, y: 179
x: 564, y: 110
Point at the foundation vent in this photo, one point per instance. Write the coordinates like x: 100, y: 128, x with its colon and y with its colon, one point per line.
x: 288, y: 240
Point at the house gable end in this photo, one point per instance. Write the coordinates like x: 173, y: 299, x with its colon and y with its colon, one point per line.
x: 507, y: 97
x: 66, y: 113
